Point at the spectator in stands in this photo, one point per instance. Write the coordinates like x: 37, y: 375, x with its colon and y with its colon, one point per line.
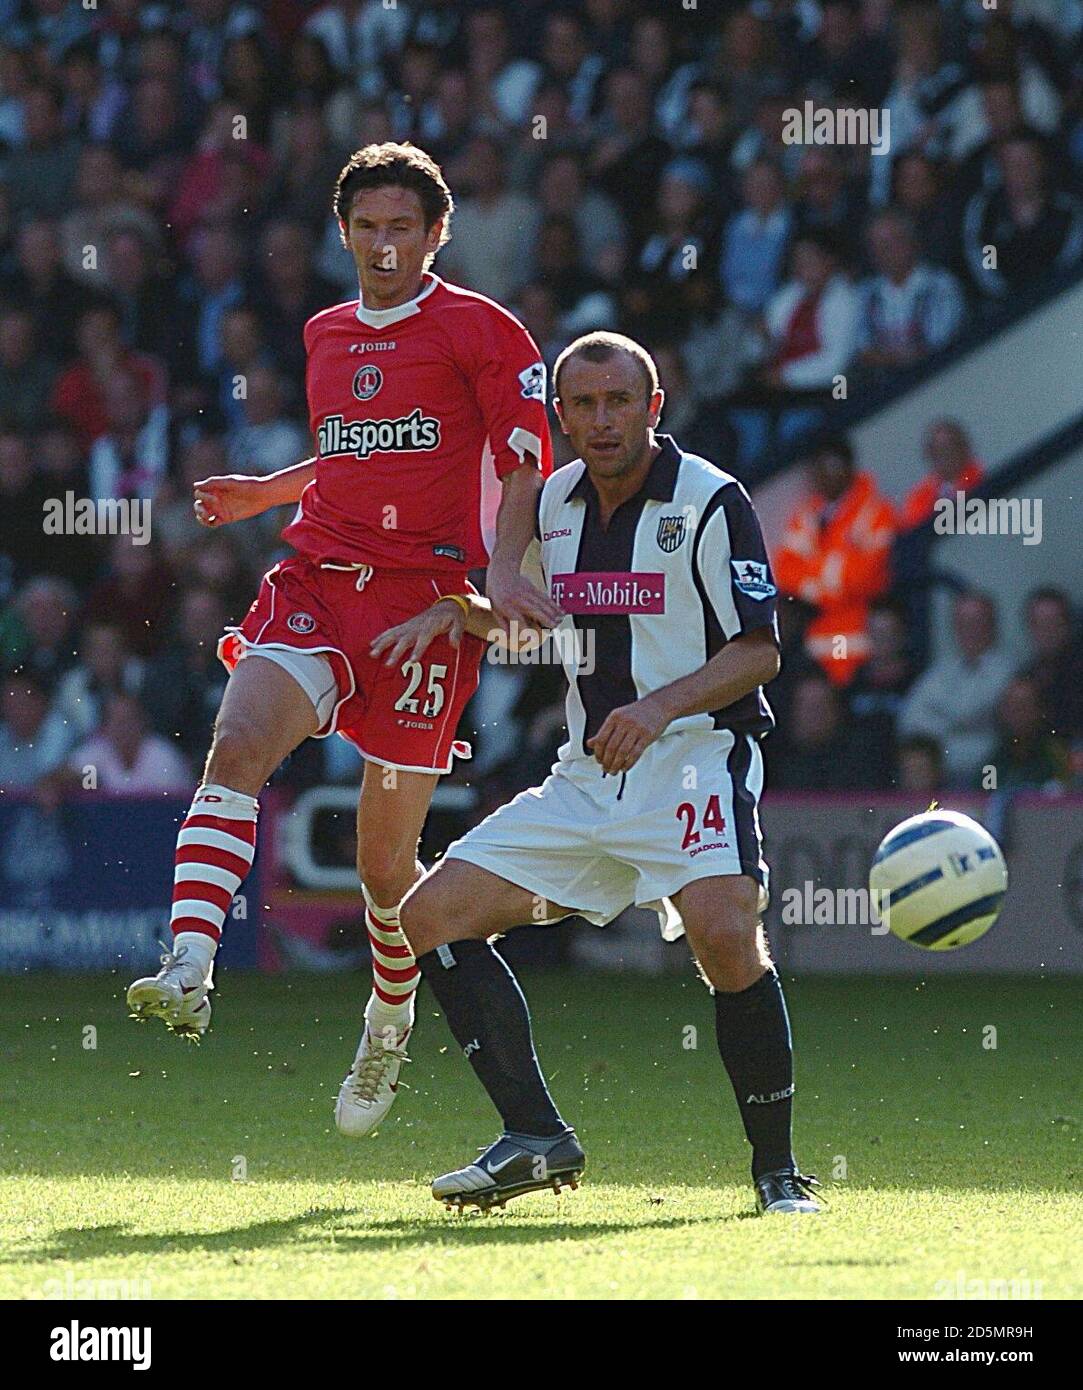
x: 600, y: 229
x: 34, y: 741
x: 143, y: 288
x: 756, y: 238
x: 955, y: 701
x: 1026, y: 754
x: 582, y: 298
x: 22, y: 496
x: 104, y: 666
x: 502, y: 82
x: 288, y: 291
x: 821, y: 751
x: 489, y: 251
x: 876, y: 694
x: 243, y: 351
x: 130, y: 459
x: 40, y: 284
x: 81, y: 394
x: 569, y: 62
x: 920, y: 766
x: 628, y: 156
x: 136, y: 593
x: 953, y: 467
x: 834, y: 557
x: 61, y: 467
x: 909, y: 308
x: 920, y: 190
x: 26, y: 375
x: 827, y: 200
x: 1032, y: 228
x: 811, y: 323
x: 184, y: 682
x: 123, y: 757
x: 46, y: 610
x: 215, y: 287
x: 101, y: 207
x: 267, y: 439
x: 41, y: 169
x: 1055, y: 664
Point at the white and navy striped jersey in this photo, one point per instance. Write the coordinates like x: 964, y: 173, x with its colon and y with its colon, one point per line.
x: 680, y: 571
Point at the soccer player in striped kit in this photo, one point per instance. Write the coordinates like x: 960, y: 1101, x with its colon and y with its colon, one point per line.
x: 407, y: 386
x: 658, y: 557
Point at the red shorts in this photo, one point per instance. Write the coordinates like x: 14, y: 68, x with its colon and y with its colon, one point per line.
x: 405, y: 717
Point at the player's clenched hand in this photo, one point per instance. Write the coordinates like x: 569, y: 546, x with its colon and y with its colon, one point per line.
x: 516, y: 600
x: 231, y: 497
x: 409, y: 641
x: 626, y: 732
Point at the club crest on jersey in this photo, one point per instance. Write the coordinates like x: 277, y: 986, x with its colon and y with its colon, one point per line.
x: 670, y: 533
x: 532, y: 380
x: 367, y: 380
x: 408, y: 434
x: 301, y: 622
x: 750, y: 577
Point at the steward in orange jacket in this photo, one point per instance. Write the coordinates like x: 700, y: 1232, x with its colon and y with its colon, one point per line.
x: 835, y: 556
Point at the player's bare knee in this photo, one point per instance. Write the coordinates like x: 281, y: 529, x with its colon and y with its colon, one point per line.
x: 386, y: 871
x: 423, y: 918
x: 731, y: 950
x: 238, y: 757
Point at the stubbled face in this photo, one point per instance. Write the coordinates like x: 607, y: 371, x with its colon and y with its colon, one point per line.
x: 387, y: 238
x: 605, y: 411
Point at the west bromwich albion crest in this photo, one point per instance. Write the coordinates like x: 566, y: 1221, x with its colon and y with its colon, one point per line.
x: 670, y: 533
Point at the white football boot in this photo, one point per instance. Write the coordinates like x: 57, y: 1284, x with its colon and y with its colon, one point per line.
x: 370, y: 1087
x: 179, y: 995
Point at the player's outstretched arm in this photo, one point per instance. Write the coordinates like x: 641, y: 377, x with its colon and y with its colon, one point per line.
x: 238, y: 496
x: 514, y: 598
x: 452, y: 615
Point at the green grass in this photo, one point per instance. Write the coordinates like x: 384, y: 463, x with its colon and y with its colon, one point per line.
x: 961, y: 1162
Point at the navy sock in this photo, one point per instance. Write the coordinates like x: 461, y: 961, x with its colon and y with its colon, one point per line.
x: 488, y: 1016
x: 753, y: 1032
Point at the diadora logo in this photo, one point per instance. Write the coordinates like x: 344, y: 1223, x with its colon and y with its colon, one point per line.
x: 671, y: 532
x: 408, y: 434
x: 554, y: 535
x: 367, y: 380
x: 301, y: 622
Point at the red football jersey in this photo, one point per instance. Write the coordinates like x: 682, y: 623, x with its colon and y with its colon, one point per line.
x: 401, y: 402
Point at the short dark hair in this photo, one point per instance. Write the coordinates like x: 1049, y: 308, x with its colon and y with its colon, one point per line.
x: 599, y: 347
x: 400, y: 166
x: 835, y: 445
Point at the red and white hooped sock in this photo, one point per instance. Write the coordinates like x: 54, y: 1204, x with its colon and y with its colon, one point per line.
x: 395, y: 975
x: 215, y: 849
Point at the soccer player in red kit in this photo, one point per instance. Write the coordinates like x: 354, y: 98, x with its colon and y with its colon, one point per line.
x: 406, y: 386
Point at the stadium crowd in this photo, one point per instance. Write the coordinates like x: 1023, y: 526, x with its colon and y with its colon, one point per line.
x: 165, y: 231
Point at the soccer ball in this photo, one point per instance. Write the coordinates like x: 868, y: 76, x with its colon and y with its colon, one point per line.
x: 940, y: 878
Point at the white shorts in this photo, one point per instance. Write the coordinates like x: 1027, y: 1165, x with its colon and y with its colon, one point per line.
x: 598, y: 844
x: 312, y: 672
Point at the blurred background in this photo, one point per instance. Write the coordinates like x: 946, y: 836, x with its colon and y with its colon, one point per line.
x: 854, y: 334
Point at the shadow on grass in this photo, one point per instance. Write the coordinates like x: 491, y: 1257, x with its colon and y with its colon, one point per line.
x: 317, y: 1231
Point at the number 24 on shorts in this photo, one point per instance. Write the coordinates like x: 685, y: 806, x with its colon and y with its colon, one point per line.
x: 713, y: 819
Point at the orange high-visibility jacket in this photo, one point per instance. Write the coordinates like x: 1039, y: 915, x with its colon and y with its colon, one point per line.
x: 839, y: 570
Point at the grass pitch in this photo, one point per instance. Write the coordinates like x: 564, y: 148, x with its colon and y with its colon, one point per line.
x: 146, y: 1166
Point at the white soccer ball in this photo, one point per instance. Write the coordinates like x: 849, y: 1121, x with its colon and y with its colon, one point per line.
x: 939, y: 879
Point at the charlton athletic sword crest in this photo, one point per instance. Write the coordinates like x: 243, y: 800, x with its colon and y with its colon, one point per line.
x: 670, y: 532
